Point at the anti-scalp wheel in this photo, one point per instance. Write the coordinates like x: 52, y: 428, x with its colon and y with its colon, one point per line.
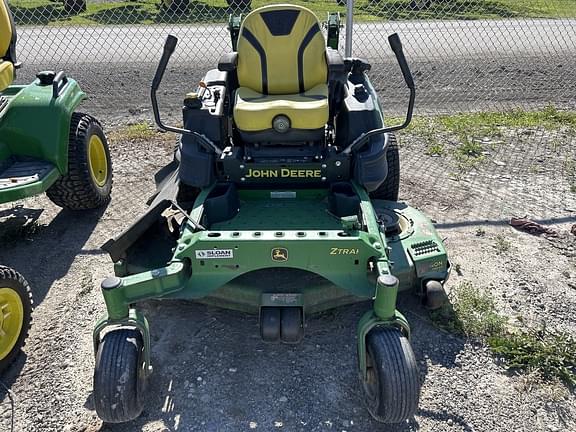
x: 270, y: 324
x: 292, y: 325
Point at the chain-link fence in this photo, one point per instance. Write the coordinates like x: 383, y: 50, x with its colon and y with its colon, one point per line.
x: 467, y: 56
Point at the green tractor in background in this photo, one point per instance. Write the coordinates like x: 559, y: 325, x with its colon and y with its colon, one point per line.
x: 64, y: 154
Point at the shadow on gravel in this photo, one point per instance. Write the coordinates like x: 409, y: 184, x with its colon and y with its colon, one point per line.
x: 43, y: 254
x: 213, y: 372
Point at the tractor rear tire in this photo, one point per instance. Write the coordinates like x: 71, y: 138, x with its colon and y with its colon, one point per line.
x: 119, y: 376
x: 15, y: 315
x: 390, y: 188
x: 392, y: 390
x: 88, y: 182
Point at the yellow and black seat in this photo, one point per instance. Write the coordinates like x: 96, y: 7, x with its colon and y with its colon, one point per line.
x: 7, y: 46
x: 282, y: 71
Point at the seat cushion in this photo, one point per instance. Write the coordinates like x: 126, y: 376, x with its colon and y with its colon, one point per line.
x: 6, y: 29
x: 255, y: 111
x: 6, y: 73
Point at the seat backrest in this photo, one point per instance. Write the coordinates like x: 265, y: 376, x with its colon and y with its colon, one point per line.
x: 281, y: 50
x: 7, y: 34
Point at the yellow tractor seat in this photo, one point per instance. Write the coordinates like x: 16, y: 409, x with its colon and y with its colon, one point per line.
x: 254, y: 111
x: 282, y: 71
x: 6, y: 74
x: 7, y: 46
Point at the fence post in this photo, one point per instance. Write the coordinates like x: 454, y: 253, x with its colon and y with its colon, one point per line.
x: 349, y: 27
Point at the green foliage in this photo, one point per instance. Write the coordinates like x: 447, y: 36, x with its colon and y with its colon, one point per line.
x: 551, y: 354
x: 472, y: 313
x: 469, y: 139
x: 34, y: 12
x: 435, y: 149
x: 134, y: 132
x: 502, y: 244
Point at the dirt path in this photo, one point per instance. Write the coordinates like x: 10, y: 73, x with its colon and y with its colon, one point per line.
x: 212, y: 373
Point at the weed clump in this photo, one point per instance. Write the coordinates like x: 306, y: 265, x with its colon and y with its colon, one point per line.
x: 472, y: 313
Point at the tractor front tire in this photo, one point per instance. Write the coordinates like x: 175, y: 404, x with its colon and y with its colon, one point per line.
x: 119, y: 376
x: 88, y: 182
x: 15, y: 315
x: 390, y: 188
x: 392, y: 387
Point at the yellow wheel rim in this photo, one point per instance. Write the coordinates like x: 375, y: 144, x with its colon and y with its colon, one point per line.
x: 11, y: 320
x: 97, y: 161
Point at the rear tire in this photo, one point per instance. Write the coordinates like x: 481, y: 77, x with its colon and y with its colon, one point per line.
x: 119, y: 376
x: 390, y: 188
x: 392, y: 390
x: 15, y: 315
x: 88, y: 183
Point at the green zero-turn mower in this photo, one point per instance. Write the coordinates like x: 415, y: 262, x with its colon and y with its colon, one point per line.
x: 284, y: 165
x: 44, y: 147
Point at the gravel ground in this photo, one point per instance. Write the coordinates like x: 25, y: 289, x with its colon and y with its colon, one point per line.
x: 212, y: 373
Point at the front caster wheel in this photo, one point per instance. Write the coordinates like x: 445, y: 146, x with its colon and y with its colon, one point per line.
x: 119, y: 376
x: 392, y: 387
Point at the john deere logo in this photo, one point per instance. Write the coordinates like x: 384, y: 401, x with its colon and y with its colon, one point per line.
x: 280, y: 254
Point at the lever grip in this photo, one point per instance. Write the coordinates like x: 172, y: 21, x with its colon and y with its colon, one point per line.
x: 169, y: 47
x: 396, y: 46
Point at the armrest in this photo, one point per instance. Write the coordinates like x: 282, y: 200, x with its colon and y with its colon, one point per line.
x: 336, y: 66
x: 228, y: 62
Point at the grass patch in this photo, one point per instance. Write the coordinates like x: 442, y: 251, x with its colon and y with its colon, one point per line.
x: 134, y: 132
x: 34, y: 12
x: 468, y: 139
x: 502, y: 244
x: 551, y: 354
x: 435, y: 149
x: 472, y: 313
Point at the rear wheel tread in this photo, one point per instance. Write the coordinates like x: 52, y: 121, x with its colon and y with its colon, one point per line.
x: 12, y: 279
x: 389, y: 190
x: 76, y: 190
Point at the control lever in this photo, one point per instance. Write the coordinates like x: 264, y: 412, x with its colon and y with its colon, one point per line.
x: 396, y: 45
x: 169, y: 47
